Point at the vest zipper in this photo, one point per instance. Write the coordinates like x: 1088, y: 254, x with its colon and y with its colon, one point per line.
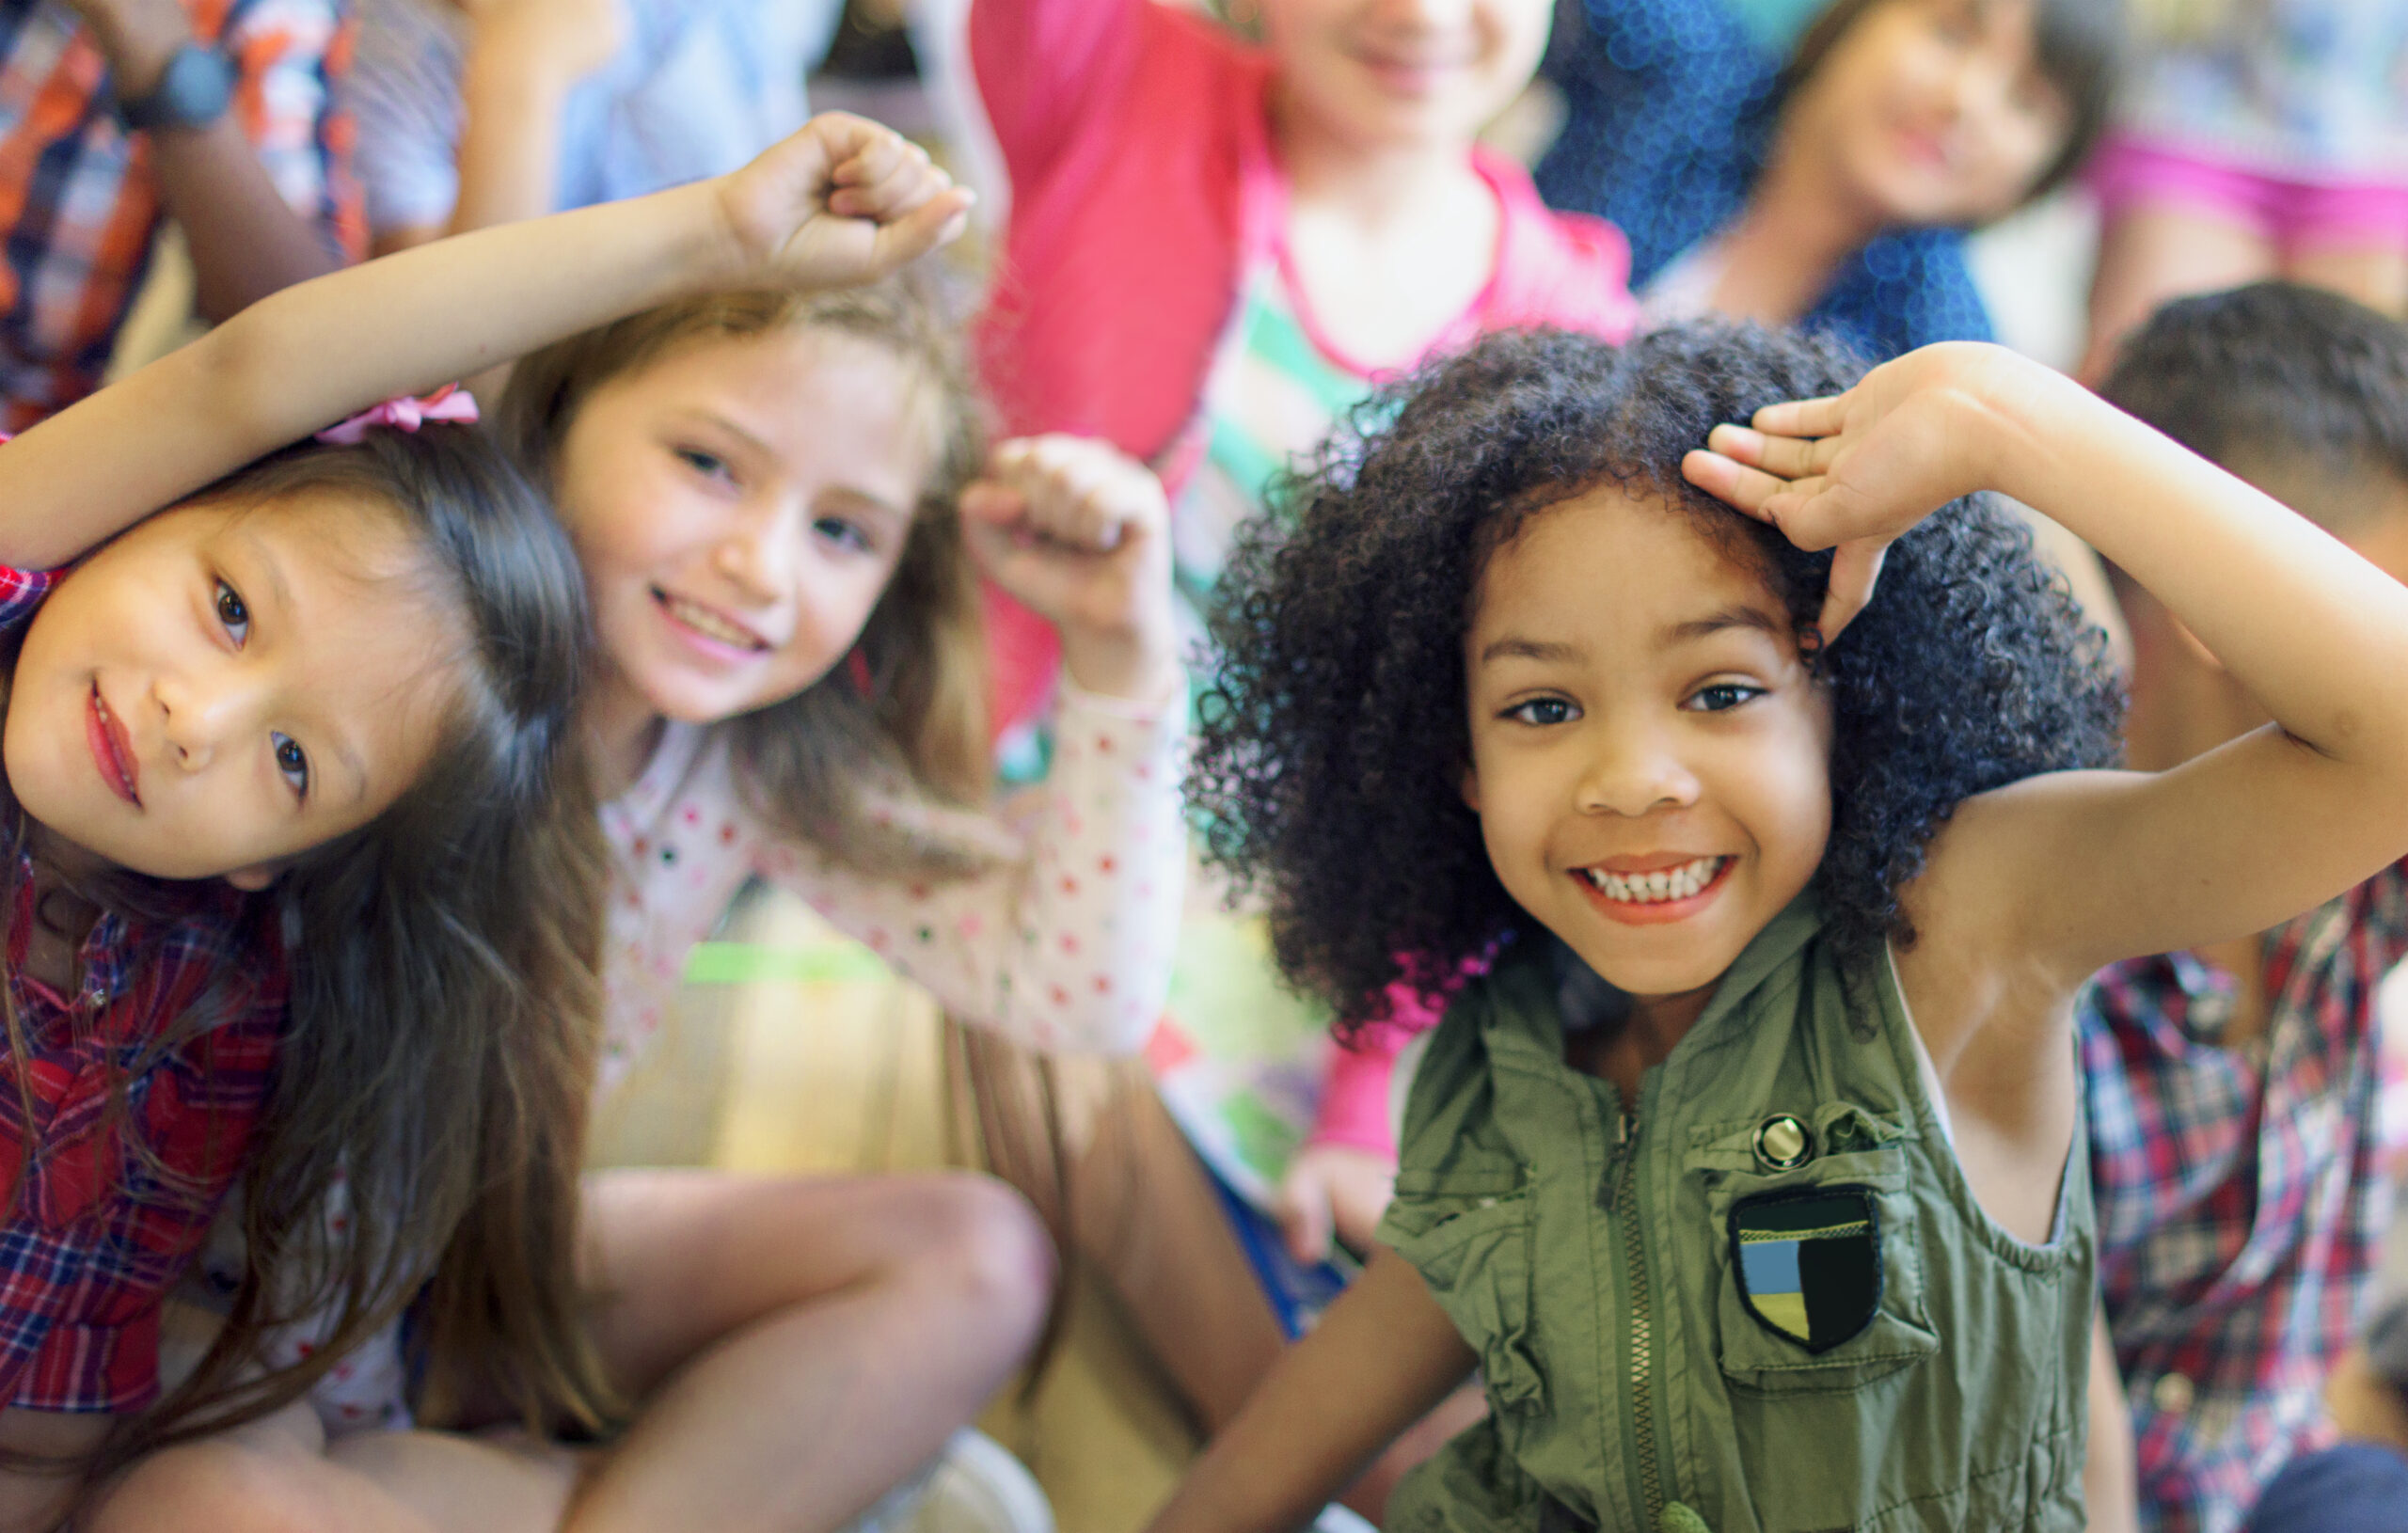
x: 1642, y: 1322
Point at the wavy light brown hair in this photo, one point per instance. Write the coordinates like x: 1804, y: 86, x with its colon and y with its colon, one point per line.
x: 441, y: 1026
x: 817, y: 764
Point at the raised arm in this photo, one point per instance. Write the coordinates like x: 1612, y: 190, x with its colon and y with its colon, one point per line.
x: 2073, y: 870
x: 840, y: 202
x: 1042, y: 64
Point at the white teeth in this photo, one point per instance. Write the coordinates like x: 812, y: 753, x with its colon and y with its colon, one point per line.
x: 1656, y: 888
x: 705, y: 621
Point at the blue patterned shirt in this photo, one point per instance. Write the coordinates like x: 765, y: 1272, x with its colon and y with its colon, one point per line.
x: 1672, y: 115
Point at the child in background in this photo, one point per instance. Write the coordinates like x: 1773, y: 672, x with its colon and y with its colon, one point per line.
x: 1786, y: 1232
x: 119, y: 114
x: 479, y: 112
x: 1214, y: 249
x: 2256, y: 138
x: 762, y: 484
x: 293, y: 887
x: 2236, y: 1148
x: 1832, y: 188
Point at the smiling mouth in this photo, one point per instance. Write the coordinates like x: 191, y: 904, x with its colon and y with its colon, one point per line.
x: 711, y: 623
x: 112, y: 749
x: 1664, y: 887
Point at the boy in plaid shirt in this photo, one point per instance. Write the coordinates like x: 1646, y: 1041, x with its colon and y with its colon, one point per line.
x: 2236, y: 1147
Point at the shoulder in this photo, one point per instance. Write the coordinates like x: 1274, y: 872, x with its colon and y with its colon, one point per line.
x: 1568, y: 269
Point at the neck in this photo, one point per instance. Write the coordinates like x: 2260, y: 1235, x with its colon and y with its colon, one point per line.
x: 1378, y: 188
x: 620, y: 729
x: 1798, y: 228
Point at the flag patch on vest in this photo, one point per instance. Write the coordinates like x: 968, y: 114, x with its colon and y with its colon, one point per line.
x: 1809, y: 1262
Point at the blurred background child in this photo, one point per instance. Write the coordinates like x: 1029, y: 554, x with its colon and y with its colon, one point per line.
x: 116, y: 116
x: 1832, y: 186
x: 2256, y: 138
x: 2237, y: 1150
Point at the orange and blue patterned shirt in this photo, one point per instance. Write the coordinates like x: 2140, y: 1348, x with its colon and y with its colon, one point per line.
x: 78, y: 205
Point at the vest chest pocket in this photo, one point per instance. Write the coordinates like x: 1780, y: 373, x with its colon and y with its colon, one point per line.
x: 1472, y: 1247
x: 1819, y: 1277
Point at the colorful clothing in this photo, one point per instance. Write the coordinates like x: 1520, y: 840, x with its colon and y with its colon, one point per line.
x: 141, y: 1122
x: 1145, y: 196
x: 696, y: 89
x: 1671, y: 109
x: 77, y: 198
x: 1064, y: 946
x: 2307, y: 90
x: 2241, y: 1197
x: 1765, y: 1293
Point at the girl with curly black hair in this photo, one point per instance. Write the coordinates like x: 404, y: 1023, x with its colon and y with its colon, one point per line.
x: 1741, y: 1174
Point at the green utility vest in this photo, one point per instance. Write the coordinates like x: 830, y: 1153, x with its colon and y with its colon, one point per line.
x: 1765, y: 1303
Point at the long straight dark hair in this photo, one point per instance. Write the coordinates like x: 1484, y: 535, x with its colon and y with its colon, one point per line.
x: 444, y: 1002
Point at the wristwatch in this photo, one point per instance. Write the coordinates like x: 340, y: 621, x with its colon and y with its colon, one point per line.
x: 193, y: 91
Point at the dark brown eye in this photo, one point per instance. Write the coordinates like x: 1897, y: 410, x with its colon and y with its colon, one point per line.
x: 231, y: 610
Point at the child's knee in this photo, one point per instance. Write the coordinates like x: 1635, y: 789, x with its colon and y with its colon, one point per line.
x: 222, y: 1486
x: 986, y: 1241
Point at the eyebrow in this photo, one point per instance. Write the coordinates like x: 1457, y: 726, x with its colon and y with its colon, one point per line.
x: 282, y: 594
x: 1727, y: 619
x: 755, y: 444
x: 1515, y: 648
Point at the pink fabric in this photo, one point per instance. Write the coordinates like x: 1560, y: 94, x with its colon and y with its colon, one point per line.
x: 1353, y: 1108
x: 2132, y: 171
x: 1144, y: 187
x: 405, y: 412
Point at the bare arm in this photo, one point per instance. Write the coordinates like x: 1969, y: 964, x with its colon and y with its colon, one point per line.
x: 245, y: 240
x: 2063, y: 873
x: 2109, y: 1476
x: 840, y: 202
x: 1384, y: 1354
x: 524, y: 59
x: 31, y: 1502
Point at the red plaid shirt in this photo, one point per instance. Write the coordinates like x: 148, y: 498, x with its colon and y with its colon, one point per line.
x: 112, y: 1197
x: 2241, y: 1196
x: 78, y: 205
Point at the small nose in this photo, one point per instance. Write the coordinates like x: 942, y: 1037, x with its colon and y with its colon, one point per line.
x: 1635, y: 772
x: 201, y: 710
x: 759, y: 554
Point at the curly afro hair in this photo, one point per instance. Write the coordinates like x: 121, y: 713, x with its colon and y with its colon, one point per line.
x: 1334, y: 739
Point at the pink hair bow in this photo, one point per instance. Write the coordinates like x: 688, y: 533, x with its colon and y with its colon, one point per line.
x: 448, y: 403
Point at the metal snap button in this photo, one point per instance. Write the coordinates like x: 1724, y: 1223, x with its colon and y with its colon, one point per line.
x: 2173, y: 1394
x: 1783, y: 1142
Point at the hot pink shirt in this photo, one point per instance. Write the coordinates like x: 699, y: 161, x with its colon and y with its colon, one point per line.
x: 1144, y: 188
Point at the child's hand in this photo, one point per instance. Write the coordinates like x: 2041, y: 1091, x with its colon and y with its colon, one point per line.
x: 1079, y: 532
x: 1334, y: 1190
x: 841, y: 202
x: 1853, y: 472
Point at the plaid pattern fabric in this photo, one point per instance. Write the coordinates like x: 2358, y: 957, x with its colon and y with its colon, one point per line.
x: 77, y: 200
x: 2241, y: 1196
x: 134, y: 1139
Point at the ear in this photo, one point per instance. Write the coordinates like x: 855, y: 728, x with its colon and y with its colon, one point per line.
x: 1471, y: 787
x: 252, y: 879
